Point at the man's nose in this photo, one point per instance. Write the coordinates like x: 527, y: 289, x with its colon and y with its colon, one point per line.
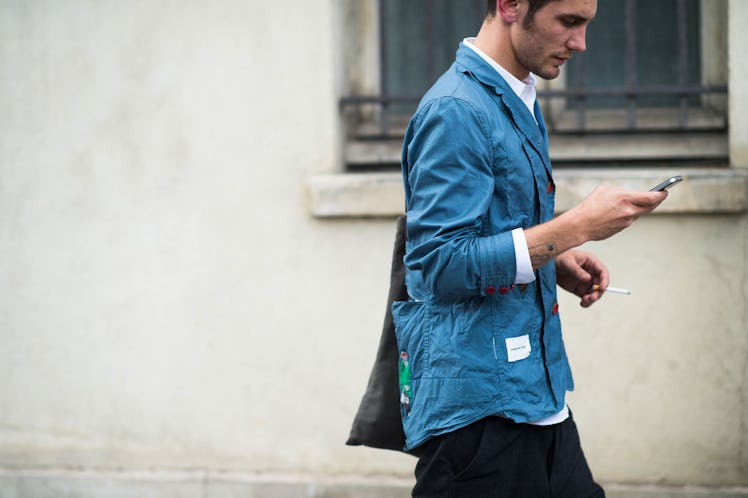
x: 578, y: 40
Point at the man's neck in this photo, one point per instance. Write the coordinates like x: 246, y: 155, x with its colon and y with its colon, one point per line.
x: 524, y: 89
x: 493, y: 40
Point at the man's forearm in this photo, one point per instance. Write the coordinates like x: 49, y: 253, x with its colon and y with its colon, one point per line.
x: 605, y: 212
x: 552, y: 238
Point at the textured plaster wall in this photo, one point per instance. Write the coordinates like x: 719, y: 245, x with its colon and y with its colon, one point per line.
x: 167, y: 302
x: 662, y: 374
x: 165, y: 299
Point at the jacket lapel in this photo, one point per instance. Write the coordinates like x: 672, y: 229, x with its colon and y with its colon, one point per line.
x: 534, y: 132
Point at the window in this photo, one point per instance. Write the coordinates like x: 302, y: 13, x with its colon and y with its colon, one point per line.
x: 641, y: 93
x: 650, y: 92
x: 420, y: 40
x: 644, y: 60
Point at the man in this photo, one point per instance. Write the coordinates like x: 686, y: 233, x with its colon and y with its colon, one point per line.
x: 487, y: 372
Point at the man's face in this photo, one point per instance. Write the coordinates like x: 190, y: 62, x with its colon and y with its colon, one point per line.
x: 557, y: 30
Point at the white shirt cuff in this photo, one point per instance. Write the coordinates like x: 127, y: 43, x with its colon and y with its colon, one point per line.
x: 525, y: 275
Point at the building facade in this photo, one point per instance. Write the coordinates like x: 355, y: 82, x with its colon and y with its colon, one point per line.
x: 197, y: 205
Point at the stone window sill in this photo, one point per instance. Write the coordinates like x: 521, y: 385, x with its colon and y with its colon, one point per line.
x: 704, y: 191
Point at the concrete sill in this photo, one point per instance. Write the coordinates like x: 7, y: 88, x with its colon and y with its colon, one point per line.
x: 704, y: 191
x: 703, y: 146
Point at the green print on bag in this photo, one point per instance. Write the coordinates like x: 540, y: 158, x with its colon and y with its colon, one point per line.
x: 405, y: 391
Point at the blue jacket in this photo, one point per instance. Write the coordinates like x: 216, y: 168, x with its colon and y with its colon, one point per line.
x: 475, y: 166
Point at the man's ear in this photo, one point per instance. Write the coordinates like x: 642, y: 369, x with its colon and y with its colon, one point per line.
x: 508, y: 10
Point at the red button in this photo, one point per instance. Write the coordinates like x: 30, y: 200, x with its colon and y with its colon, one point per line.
x: 503, y: 290
x: 490, y: 290
x: 550, y: 187
x: 555, y: 309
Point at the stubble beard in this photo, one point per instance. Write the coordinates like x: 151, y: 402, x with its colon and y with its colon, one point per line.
x: 538, y: 64
x: 547, y: 71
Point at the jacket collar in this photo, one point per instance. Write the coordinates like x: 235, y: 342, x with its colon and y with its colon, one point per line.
x: 471, y: 63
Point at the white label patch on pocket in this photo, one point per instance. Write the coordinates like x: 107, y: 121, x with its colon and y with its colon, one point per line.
x: 518, y: 348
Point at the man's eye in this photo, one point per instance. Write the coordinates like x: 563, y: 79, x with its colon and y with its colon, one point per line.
x: 571, y: 22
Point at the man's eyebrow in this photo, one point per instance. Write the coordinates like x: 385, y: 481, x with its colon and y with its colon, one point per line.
x: 574, y: 18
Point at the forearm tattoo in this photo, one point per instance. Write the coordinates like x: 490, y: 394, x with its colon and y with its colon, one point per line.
x: 543, y: 253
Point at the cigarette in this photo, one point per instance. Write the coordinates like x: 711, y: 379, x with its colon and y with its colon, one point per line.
x: 613, y: 290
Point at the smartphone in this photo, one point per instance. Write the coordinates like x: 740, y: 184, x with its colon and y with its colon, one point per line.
x: 667, y: 183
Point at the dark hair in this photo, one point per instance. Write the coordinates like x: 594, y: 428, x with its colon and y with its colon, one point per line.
x: 533, y: 7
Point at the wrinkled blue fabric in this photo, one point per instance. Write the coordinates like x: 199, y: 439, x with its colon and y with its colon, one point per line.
x: 475, y: 166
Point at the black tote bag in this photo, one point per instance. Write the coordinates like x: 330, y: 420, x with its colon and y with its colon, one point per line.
x: 377, y: 423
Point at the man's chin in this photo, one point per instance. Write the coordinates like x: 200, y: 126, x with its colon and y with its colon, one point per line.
x: 549, y: 73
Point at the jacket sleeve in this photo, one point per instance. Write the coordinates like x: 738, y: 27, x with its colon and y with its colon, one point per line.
x: 450, y: 184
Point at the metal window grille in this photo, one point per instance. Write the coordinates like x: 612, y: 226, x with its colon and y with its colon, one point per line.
x: 576, y: 99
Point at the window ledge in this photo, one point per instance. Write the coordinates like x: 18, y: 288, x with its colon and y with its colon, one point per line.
x: 705, y: 190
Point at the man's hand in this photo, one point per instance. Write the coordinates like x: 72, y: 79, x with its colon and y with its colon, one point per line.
x: 578, y: 271
x: 608, y: 210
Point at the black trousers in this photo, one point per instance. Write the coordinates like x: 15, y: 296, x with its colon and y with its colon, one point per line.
x: 497, y: 458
